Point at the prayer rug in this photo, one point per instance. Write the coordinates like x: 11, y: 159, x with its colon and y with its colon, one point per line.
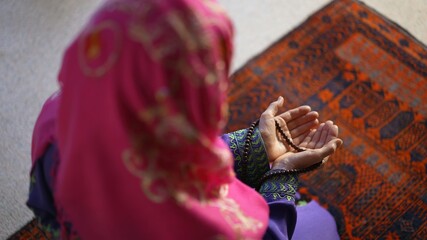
x: 369, y: 76
x: 31, y: 231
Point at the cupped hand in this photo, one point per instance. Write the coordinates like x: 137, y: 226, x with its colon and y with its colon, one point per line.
x: 296, y: 122
x: 319, y: 143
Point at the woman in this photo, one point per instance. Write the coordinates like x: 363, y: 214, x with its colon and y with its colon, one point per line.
x: 129, y: 148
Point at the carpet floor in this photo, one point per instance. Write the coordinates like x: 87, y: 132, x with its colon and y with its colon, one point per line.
x: 369, y: 76
x: 30, y: 231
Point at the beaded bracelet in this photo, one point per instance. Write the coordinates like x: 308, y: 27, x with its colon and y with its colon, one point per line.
x: 279, y: 172
x: 246, y: 148
x: 287, y: 139
x: 275, y: 172
x: 251, y: 130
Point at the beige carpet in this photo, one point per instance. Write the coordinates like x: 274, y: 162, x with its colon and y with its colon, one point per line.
x: 34, y: 33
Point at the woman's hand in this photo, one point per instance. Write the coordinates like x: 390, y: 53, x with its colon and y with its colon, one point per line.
x: 296, y: 122
x: 320, y: 143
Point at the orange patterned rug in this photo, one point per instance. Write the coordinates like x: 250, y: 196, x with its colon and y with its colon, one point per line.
x: 31, y: 231
x: 370, y: 77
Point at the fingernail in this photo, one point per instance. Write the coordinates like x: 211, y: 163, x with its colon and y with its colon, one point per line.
x: 339, y: 143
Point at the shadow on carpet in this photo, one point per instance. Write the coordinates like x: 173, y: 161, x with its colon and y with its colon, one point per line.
x: 369, y: 76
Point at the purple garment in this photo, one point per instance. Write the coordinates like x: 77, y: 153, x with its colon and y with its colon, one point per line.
x: 313, y: 222
x: 281, y: 223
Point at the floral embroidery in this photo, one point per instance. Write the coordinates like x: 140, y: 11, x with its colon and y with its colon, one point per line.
x: 234, y: 215
x: 96, y: 57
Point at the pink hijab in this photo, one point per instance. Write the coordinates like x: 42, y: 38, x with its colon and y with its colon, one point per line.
x: 143, y: 90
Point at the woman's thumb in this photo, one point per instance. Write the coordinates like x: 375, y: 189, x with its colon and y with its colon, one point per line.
x: 273, y: 108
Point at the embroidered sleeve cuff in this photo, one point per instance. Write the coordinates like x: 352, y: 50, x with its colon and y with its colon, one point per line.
x: 257, y: 163
x: 280, y: 187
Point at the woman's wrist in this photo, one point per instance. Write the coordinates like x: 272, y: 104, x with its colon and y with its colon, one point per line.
x: 282, y: 164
